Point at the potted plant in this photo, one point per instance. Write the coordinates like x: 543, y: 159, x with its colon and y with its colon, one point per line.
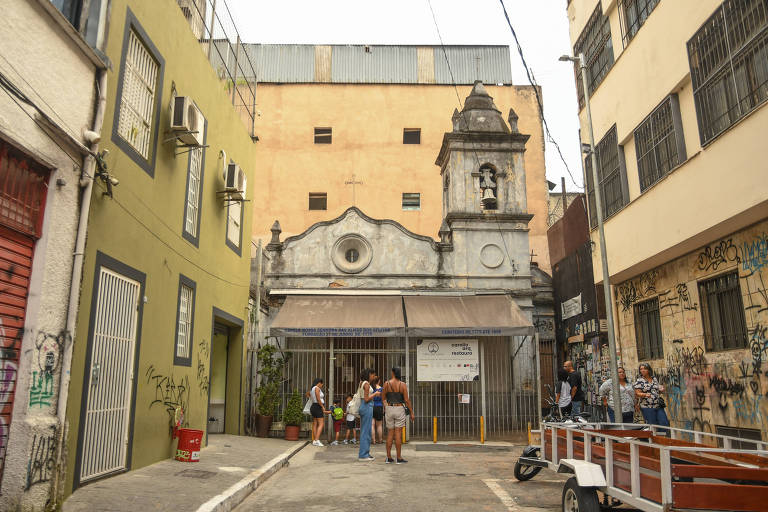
x: 293, y: 416
x: 271, y: 365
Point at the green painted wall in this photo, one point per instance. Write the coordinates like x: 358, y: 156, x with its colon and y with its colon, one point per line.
x: 219, y: 367
x: 142, y: 228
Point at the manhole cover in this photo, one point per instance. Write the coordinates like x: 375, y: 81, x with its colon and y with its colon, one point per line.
x: 196, y: 473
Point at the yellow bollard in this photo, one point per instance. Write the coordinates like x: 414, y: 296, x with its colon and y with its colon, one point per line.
x: 434, y: 429
x: 403, y: 435
x: 529, y: 433
x: 482, y: 430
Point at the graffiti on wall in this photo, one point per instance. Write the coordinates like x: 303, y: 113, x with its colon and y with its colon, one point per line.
x: 636, y: 289
x: 203, y: 355
x: 50, y: 348
x: 171, y: 393
x: 704, y: 389
x: 42, y: 459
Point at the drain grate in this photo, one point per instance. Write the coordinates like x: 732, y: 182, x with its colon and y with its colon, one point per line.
x: 196, y: 473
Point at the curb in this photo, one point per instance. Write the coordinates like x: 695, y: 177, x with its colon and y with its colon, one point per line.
x: 237, y: 493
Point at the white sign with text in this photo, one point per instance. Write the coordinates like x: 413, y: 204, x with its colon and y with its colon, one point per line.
x: 447, y: 360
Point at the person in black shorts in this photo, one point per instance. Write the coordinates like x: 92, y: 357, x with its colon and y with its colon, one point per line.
x: 378, y: 413
x: 317, y: 410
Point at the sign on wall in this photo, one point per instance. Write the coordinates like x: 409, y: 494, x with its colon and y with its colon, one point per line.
x: 447, y: 360
x: 571, y: 307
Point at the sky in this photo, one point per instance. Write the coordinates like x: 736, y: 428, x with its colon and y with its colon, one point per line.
x: 541, y: 26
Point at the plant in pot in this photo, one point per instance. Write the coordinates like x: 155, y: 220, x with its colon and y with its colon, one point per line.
x: 271, y: 365
x: 293, y: 416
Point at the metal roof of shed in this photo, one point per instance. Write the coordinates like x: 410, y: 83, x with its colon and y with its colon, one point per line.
x: 372, y: 64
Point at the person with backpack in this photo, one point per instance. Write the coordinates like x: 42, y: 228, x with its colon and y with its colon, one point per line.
x: 366, y: 395
x: 378, y: 412
x: 397, y: 405
x: 338, y: 415
x: 563, y: 396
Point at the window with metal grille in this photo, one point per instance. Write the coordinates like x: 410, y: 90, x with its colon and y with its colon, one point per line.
x: 728, y: 57
x: 741, y: 432
x: 137, y: 99
x: 234, y: 225
x: 633, y: 14
x: 659, y: 142
x: 184, y: 322
x: 192, y: 205
x: 318, y: 201
x: 23, y: 189
x: 595, y: 43
x: 611, y: 176
x: 323, y: 135
x: 648, y: 330
x: 722, y: 313
x: 411, y: 135
x: 411, y: 201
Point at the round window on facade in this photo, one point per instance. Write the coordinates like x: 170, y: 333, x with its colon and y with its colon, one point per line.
x: 352, y: 253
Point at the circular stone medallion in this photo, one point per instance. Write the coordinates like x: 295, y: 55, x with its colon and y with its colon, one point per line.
x: 491, y: 256
x: 352, y: 253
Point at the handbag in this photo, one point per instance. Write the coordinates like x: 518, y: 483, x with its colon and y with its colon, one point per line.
x: 354, y: 405
x: 307, y: 407
x: 662, y: 403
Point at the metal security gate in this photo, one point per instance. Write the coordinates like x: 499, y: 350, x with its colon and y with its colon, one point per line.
x: 110, y: 383
x: 510, y: 399
x: 15, y: 269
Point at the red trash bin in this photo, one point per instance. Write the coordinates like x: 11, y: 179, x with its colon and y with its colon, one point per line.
x: 188, y: 449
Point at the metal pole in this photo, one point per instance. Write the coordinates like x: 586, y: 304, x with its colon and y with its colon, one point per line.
x: 210, y: 29
x: 603, y: 253
x: 483, y: 413
x: 538, y: 378
x: 407, y: 383
x: 329, y: 400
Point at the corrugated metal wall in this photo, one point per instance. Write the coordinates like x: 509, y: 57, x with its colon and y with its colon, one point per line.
x: 287, y: 63
x: 374, y: 64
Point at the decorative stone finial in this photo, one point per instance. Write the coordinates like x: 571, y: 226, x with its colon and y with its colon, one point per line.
x: 512, y: 119
x: 276, y: 230
x: 445, y: 232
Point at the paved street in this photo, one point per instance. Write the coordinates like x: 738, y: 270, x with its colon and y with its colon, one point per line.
x: 439, y: 477
x: 181, y: 486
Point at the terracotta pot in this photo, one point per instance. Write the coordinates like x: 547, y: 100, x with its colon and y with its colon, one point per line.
x: 262, y: 425
x: 291, y: 432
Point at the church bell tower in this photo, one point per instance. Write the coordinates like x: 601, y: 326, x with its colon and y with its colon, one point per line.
x: 484, y: 198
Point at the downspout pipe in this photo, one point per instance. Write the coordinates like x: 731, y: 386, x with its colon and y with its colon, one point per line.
x: 87, y: 178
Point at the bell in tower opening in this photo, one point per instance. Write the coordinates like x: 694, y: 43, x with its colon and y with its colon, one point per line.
x: 488, y: 187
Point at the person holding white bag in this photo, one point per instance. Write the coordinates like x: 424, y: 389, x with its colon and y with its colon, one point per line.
x: 317, y: 410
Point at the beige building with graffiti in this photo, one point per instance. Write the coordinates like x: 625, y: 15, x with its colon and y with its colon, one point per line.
x: 678, y: 92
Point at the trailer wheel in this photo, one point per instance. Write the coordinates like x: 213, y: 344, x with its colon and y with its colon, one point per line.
x: 525, y: 472
x: 579, y: 499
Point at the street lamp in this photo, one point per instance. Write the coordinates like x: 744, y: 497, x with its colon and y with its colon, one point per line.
x: 601, y: 233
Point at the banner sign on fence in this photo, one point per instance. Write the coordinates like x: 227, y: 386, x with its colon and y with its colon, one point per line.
x: 447, y: 360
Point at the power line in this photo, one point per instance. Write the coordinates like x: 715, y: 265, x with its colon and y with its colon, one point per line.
x: 14, y: 92
x: 532, y: 81
x: 461, y: 113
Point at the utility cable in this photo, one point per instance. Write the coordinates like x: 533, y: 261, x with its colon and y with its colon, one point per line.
x: 532, y: 81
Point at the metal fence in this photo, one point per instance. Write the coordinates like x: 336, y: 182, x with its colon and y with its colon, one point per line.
x: 212, y: 24
x: 506, y: 395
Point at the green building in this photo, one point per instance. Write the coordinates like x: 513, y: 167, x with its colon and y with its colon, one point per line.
x: 164, y: 297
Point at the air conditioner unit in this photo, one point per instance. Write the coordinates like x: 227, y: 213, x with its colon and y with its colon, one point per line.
x: 187, y: 121
x: 235, y: 182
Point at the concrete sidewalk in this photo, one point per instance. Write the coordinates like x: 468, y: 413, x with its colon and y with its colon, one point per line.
x: 228, y: 471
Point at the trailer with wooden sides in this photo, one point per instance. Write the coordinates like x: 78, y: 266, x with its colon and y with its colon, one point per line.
x: 651, y: 468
